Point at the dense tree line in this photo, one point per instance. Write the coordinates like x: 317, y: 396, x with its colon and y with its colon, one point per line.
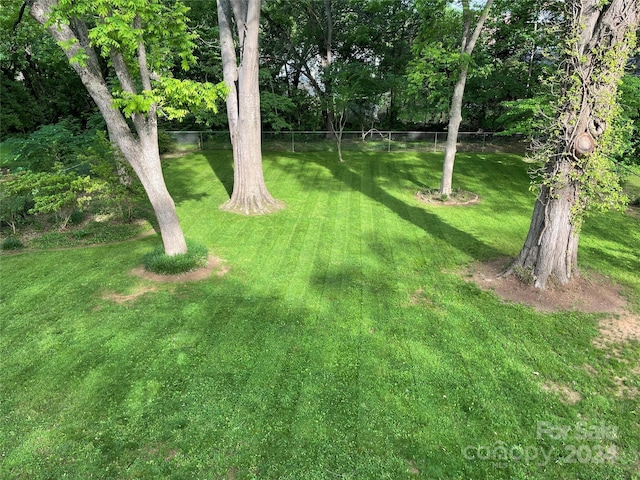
x: 389, y: 64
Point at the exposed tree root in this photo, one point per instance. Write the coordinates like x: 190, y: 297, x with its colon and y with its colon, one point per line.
x: 253, y: 206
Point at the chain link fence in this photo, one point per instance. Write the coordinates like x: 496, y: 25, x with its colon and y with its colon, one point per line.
x: 370, y: 141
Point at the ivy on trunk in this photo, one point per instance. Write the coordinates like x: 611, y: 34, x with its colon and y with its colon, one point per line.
x: 577, y: 174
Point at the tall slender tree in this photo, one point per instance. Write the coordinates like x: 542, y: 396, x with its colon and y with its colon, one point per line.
x: 239, y: 23
x: 136, y: 38
x: 577, y: 172
x: 472, y: 26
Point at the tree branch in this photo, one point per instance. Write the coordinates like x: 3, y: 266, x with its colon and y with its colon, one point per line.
x: 90, y: 75
x: 81, y: 31
x: 142, y: 59
x: 21, y: 14
x: 240, y: 9
x: 122, y: 72
x: 479, y: 24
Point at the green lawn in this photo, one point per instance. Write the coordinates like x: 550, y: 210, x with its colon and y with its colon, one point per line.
x: 342, y: 344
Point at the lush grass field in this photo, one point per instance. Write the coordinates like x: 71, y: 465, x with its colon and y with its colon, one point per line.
x: 344, y: 343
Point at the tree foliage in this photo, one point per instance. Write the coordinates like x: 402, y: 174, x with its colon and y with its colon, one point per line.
x: 38, y: 85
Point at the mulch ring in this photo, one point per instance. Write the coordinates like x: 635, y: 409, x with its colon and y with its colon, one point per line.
x: 457, y: 198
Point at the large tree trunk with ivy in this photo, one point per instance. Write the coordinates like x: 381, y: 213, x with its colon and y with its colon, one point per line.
x: 599, y: 39
x: 250, y: 195
x: 469, y: 39
x: 140, y: 150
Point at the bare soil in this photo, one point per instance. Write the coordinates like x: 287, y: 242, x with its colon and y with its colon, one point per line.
x: 457, y: 198
x: 567, y: 395
x: 122, y: 298
x: 591, y: 293
x: 214, y: 265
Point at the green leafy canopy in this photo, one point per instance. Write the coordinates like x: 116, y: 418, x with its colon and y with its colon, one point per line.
x: 138, y: 31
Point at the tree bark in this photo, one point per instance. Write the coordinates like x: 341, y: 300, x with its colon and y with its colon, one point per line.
x: 250, y: 195
x: 141, y: 152
x: 601, y: 48
x: 455, y: 119
x: 551, y: 247
x: 469, y: 39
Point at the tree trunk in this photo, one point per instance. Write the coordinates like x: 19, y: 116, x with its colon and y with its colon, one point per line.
x: 250, y: 195
x: 142, y: 152
x: 455, y: 118
x: 551, y: 247
x: 469, y: 40
x: 119, y: 159
x: 326, y: 57
x: 598, y: 37
x: 145, y: 161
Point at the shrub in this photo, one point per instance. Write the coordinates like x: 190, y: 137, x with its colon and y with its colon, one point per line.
x: 165, y: 142
x: 11, y: 243
x: 159, y: 262
x: 118, y: 189
x: 61, y: 143
x: 58, y: 193
x: 76, y: 217
x: 15, y: 204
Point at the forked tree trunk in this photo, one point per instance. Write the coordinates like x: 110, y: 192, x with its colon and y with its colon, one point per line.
x: 469, y: 39
x: 601, y: 46
x: 141, y: 152
x: 250, y: 195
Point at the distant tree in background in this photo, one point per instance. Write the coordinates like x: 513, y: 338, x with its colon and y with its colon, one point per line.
x: 307, y: 44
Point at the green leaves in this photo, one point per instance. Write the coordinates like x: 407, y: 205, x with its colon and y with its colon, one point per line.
x: 178, y: 97
x: 133, y: 103
x: 137, y: 31
x: 56, y: 193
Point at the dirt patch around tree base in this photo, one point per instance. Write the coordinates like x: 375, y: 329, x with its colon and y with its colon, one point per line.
x: 590, y: 293
x: 432, y: 196
x: 214, y: 264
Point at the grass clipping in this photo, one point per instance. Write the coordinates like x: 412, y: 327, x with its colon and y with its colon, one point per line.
x: 159, y: 262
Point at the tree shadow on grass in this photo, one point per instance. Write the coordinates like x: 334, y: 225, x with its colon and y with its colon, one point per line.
x: 179, y: 176
x: 368, y: 183
x: 611, y: 239
x: 222, y: 166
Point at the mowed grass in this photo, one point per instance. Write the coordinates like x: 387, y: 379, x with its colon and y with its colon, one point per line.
x: 343, y: 343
